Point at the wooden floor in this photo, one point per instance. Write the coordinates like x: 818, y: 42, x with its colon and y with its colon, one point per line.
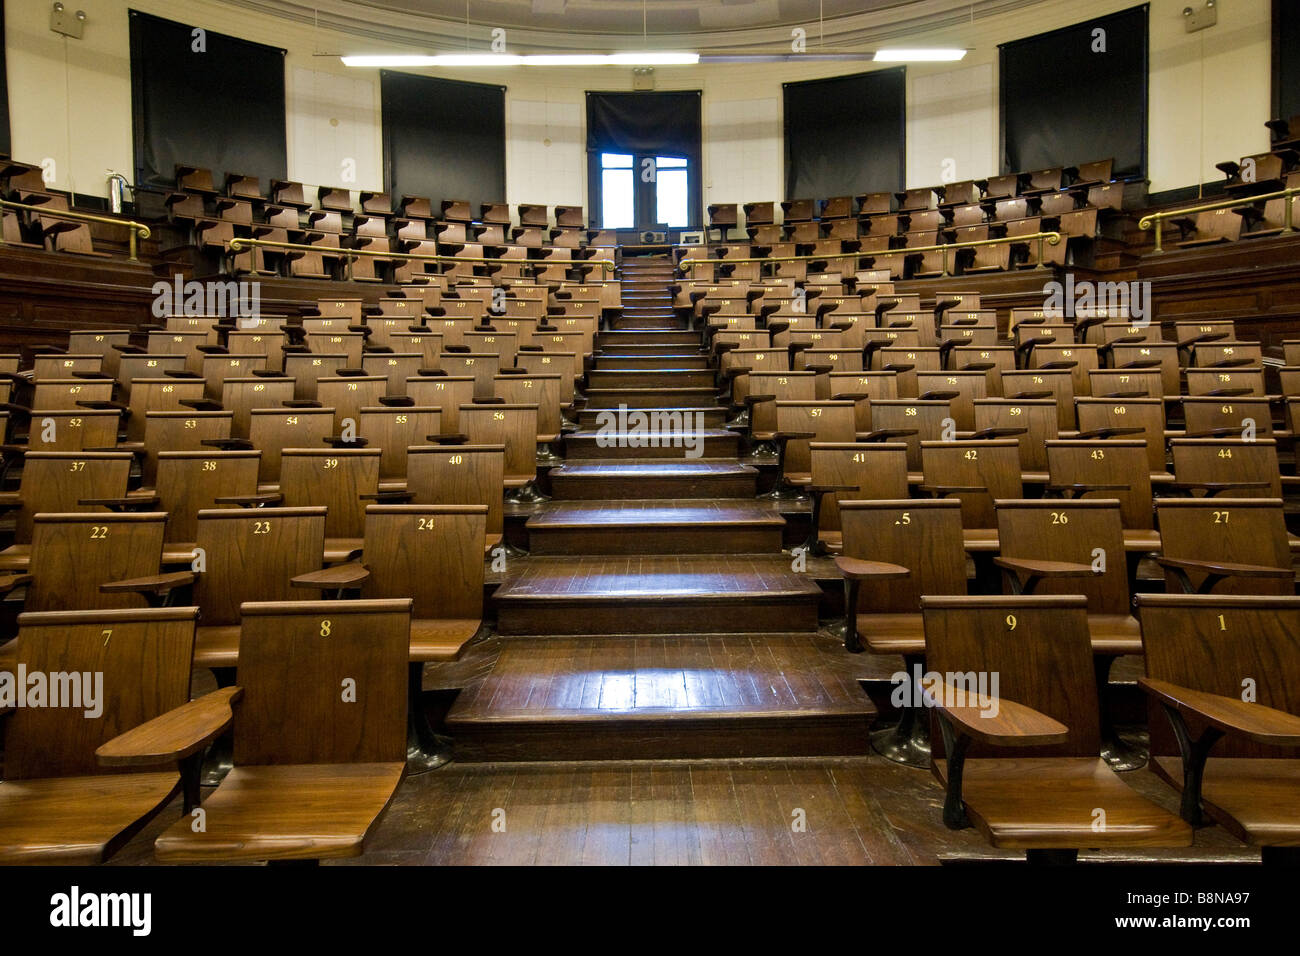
x: 858, y: 810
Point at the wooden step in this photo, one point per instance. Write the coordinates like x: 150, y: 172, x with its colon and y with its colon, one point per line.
x: 639, y: 323
x: 652, y: 397
x: 589, y: 418
x: 641, y: 479
x: 651, y: 378
x: 628, y: 362
x: 658, y: 439
x: 657, y: 594
x: 622, y: 349
x: 728, y: 526
x: 647, y: 337
x: 641, y: 698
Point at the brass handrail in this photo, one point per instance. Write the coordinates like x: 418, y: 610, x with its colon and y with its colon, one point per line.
x: 1051, y: 238
x: 1158, y: 218
x: 137, y: 230
x: 239, y: 243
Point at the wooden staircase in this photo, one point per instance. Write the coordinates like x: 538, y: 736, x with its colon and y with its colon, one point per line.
x: 657, y: 615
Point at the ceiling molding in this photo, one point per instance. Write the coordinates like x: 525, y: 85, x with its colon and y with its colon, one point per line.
x: 383, y: 28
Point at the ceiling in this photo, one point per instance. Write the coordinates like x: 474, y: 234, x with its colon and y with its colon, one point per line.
x: 610, y: 25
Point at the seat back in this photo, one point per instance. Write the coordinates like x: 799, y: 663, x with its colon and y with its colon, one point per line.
x: 445, y: 393
x: 514, y: 426
x: 459, y: 475
x: 189, y: 481
x: 1113, y: 462
x: 73, y: 429
x: 432, y: 553
x: 1146, y: 414
x: 335, y: 478
x: 117, y: 668
x: 923, y: 536
x: 73, y: 554
x: 271, y: 430
x: 1227, y: 460
x: 324, y: 682
x: 1231, y: 530
x: 1086, y: 531
x: 252, y: 555
x: 991, y: 465
x: 1223, y: 644
x: 1037, y: 416
x: 394, y: 429
x: 1040, y: 651
x: 56, y: 481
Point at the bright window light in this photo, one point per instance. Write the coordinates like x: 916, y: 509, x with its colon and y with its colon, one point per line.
x: 918, y: 55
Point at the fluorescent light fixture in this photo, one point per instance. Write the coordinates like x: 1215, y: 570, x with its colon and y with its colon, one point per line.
x: 649, y: 58
x: 918, y: 55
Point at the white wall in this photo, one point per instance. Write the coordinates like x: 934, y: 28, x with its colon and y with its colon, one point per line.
x: 70, y: 100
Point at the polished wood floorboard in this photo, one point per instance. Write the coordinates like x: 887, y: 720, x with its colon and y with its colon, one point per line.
x: 738, y: 674
x: 616, y: 576
x: 858, y: 811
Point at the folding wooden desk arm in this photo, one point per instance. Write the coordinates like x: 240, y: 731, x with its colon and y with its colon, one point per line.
x: 266, y: 500
x: 1219, y: 716
x: 855, y: 571
x: 1216, y: 571
x: 122, y: 505
x: 337, y: 578
x: 1211, y: 488
x: 1025, y: 573
x: 180, y: 736
x: 1079, y: 489
x: 965, y: 715
x: 11, y: 582
x: 155, y: 588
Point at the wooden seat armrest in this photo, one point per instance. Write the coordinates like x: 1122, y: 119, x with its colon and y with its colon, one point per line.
x: 339, y: 576
x: 1224, y: 568
x: 793, y: 436
x: 994, y: 720
x: 157, y: 584
x: 1078, y: 488
x: 390, y: 497
x: 133, y: 448
x: 821, y: 489
x: 1228, y: 715
x: 251, y: 501
x: 1000, y: 432
x: 1212, y: 488
x: 10, y: 582
x: 175, y: 735
x: 1027, y: 572
x: 201, y: 404
x: 965, y: 716
x: 1109, y: 433
x: 943, y: 491
x: 228, y: 444
x: 457, y: 438
x: 103, y: 405
x: 129, y: 503
x: 1046, y: 569
x: 885, y: 434
x: 855, y: 569
x: 940, y: 395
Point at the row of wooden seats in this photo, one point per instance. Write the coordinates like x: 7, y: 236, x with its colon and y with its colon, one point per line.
x: 1023, y: 768
x: 422, y: 583
x: 25, y: 183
